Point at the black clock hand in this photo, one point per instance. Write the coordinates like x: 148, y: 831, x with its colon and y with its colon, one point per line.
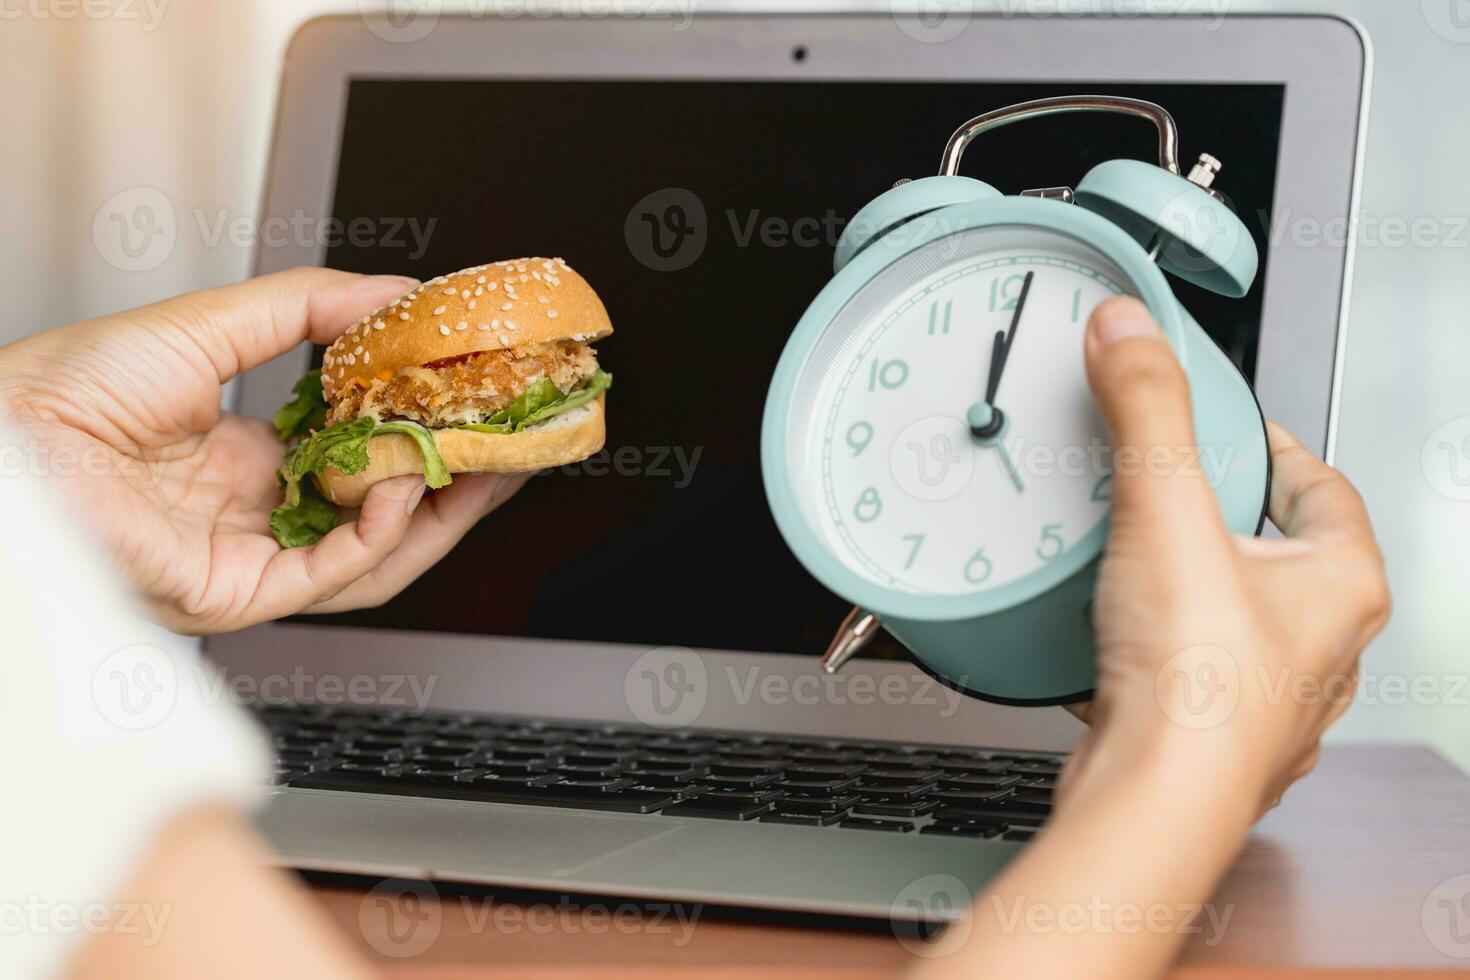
x: 1000, y: 352
x: 998, y: 366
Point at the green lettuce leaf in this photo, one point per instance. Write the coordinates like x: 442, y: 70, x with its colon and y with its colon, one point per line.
x: 306, y: 412
x: 305, y: 516
x: 542, y: 401
x: 436, y: 474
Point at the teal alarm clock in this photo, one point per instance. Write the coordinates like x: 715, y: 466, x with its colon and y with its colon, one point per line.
x: 930, y: 448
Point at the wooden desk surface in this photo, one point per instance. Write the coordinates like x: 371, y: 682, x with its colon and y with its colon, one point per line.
x: 1337, y: 881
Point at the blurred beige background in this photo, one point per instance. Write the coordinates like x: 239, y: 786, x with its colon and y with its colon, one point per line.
x: 142, y: 97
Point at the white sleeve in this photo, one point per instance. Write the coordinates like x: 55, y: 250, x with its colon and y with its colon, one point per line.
x: 111, y: 726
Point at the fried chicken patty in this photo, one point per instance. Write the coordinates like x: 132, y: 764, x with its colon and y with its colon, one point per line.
x: 469, y: 388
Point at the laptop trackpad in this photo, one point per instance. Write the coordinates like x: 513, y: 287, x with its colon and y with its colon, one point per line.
x: 402, y: 836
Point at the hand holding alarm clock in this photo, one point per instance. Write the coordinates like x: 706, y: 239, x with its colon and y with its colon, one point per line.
x: 930, y: 447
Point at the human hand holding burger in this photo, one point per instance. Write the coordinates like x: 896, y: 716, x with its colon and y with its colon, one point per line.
x: 123, y: 414
x: 488, y: 370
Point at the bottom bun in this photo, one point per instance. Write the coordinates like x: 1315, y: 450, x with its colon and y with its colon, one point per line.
x: 564, y: 439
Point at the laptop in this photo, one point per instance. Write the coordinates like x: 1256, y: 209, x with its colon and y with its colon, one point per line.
x: 611, y: 686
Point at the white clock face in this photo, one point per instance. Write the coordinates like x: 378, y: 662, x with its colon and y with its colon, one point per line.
x: 952, y: 445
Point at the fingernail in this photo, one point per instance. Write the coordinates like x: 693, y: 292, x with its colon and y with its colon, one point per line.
x: 1120, y: 319
x: 418, y: 495
x: 403, y: 283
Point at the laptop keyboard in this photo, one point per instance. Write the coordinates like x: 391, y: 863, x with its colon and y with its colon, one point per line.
x: 872, y: 786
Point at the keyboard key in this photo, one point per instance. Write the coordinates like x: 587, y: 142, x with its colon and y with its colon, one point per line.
x: 742, y: 795
x: 907, y: 809
x: 899, y: 777
x: 949, y: 816
x: 677, y: 744
x: 904, y: 791
x: 436, y: 765
x: 600, y: 769
x: 664, y: 759
x: 503, y: 754
x: 371, y: 758
x: 830, y: 770
x: 978, y: 781
x: 902, y: 760
x: 592, y: 785
x: 863, y: 823
x: 481, y: 791
x: 517, y: 768
x: 995, y: 811
x: 675, y: 793
x: 804, y: 819
x: 528, y: 779
x: 828, y: 786
x: 667, y: 780
x: 740, y: 781
x: 975, y: 796
x: 964, y: 830
x: 601, y: 757
x: 825, y: 757
x: 728, y: 766
x: 802, y: 803
x: 717, y: 809
x: 747, y: 750
x: 441, y: 775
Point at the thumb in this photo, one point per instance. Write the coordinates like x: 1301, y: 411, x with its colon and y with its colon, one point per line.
x: 240, y: 326
x: 297, y: 578
x: 1144, y: 397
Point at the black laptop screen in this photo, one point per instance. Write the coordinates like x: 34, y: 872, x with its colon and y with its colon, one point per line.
x: 665, y: 537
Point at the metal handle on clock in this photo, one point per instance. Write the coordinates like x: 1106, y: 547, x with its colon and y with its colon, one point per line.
x: 857, y: 630
x: 1154, y: 113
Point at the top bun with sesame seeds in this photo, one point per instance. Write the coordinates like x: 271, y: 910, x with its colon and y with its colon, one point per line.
x: 508, y: 305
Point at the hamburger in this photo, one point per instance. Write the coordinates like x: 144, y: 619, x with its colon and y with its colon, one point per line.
x: 488, y: 370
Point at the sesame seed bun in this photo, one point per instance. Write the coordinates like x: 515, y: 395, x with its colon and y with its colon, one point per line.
x: 564, y: 439
x: 487, y: 307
